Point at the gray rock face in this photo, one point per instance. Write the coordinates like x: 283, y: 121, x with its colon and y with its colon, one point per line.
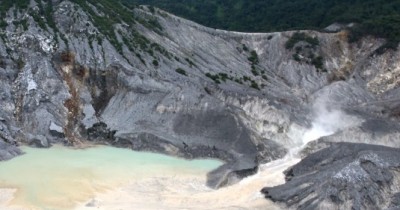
x: 56, y: 130
x: 8, y: 151
x: 345, y: 176
x: 39, y: 141
x: 183, y: 89
x: 395, y: 203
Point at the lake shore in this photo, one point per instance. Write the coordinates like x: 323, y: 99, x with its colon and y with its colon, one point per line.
x: 148, y: 181
x: 61, y: 178
x: 6, y: 197
x: 190, y: 192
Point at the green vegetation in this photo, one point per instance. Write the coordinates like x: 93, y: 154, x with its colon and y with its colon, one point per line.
x: 253, y: 57
x: 296, y: 57
x: 298, y: 37
x: 265, y: 77
x: 181, y: 71
x: 111, y: 13
x: 310, y: 57
x: 379, y: 18
x: 254, y: 85
x: 214, y: 77
x: 220, y: 77
x: 43, y: 17
x: 223, y: 77
x: 317, y: 62
x: 254, y: 72
x: 20, y: 63
x: 245, y: 48
x: 306, y: 52
x: 23, y: 23
x: 387, y: 26
x: 3, y: 63
x: 374, y: 17
x: 5, y: 5
x: 140, y: 58
x: 3, y: 24
x: 158, y: 48
x: 152, y: 23
x: 190, y: 62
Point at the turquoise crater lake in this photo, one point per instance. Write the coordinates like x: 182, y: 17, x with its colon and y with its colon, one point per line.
x: 60, y: 178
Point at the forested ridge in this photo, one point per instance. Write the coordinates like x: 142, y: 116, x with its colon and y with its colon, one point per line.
x: 380, y: 18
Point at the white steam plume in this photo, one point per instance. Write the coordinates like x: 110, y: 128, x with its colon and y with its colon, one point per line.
x: 327, y: 121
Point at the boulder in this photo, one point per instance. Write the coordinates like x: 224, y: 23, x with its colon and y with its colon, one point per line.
x: 39, y: 141
x: 56, y: 130
x: 8, y: 151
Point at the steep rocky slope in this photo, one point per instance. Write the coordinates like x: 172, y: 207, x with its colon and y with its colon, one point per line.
x: 147, y: 80
x: 348, y: 175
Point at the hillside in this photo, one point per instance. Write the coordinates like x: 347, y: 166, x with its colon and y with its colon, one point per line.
x: 376, y: 17
x: 74, y: 72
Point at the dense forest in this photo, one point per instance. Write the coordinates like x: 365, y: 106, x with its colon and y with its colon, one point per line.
x: 380, y: 18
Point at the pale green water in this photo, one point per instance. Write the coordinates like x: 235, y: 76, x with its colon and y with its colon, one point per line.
x: 58, y: 178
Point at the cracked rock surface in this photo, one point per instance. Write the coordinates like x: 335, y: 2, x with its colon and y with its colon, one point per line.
x: 345, y: 176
